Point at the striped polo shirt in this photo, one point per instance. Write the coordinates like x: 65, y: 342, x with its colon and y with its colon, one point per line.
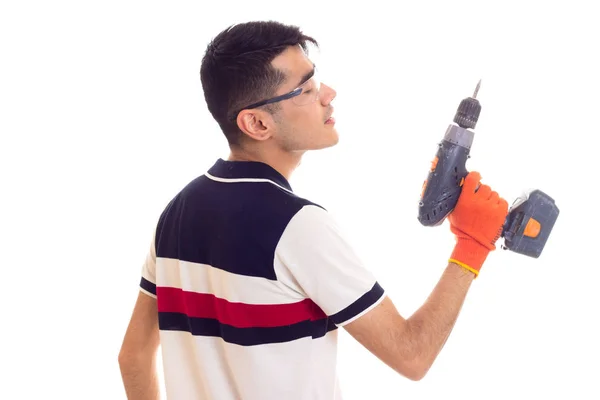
x: 252, y: 282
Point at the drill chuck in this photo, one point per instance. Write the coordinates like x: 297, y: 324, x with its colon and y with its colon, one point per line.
x: 467, y: 113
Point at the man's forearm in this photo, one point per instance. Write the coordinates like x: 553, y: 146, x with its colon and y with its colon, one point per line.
x: 140, y: 378
x: 432, y: 323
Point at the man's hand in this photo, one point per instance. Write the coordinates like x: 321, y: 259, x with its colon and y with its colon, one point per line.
x: 477, y: 222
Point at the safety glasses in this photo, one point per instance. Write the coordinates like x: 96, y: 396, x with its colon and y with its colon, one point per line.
x: 306, y: 93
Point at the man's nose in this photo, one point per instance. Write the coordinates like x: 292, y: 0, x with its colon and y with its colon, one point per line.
x: 327, y: 94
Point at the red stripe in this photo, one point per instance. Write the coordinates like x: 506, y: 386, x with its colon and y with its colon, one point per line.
x: 240, y: 315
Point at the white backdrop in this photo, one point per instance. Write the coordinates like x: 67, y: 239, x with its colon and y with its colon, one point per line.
x: 102, y: 121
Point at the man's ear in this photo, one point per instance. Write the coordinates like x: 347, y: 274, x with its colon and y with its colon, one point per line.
x: 257, y: 124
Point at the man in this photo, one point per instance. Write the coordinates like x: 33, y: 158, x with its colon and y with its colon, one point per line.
x: 246, y: 283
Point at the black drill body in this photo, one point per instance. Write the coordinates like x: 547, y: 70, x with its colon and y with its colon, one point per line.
x: 443, y: 185
x: 448, y: 168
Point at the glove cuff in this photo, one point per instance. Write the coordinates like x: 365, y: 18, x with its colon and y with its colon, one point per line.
x: 469, y: 254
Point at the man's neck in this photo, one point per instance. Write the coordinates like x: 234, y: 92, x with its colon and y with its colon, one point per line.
x: 283, y: 162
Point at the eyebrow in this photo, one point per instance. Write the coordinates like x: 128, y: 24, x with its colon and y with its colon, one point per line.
x: 307, y: 76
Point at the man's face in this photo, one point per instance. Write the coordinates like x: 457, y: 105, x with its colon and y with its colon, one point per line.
x: 303, y: 122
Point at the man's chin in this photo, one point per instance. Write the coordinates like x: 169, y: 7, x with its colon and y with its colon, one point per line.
x: 332, y: 138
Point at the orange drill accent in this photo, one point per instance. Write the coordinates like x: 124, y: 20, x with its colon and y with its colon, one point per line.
x: 434, y: 164
x: 532, y: 229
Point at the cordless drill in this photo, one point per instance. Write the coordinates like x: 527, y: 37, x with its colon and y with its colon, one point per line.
x: 530, y: 218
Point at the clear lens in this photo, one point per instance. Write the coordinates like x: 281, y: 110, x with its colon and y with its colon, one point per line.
x: 310, y: 92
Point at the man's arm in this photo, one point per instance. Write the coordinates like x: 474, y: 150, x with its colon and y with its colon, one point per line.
x: 410, y: 346
x: 137, y: 358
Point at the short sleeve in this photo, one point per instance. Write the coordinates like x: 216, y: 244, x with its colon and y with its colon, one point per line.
x: 148, y: 279
x: 315, y: 255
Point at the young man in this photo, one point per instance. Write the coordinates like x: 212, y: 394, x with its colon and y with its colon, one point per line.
x: 246, y: 283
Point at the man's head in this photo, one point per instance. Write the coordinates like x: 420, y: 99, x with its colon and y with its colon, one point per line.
x: 261, y: 87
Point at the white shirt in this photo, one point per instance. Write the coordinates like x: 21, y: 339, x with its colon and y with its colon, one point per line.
x: 252, y: 283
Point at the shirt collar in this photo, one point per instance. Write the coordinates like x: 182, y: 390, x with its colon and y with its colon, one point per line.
x: 251, y: 170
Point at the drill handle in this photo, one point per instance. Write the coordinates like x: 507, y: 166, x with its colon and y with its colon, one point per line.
x: 444, y: 182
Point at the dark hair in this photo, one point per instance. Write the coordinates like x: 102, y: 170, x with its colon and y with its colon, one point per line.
x: 236, y: 69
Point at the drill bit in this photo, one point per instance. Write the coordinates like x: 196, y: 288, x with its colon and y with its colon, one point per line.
x: 477, y: 89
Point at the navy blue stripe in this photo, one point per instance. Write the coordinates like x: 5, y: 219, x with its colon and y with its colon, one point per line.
x: 244, y: 336
x: 360, y: 305
x: 148, y: 286
x: 235, y: 227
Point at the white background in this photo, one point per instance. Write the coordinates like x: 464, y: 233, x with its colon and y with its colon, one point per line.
x: 102, y: 121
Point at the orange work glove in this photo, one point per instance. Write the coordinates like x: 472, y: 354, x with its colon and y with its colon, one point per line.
x: 477, y: 222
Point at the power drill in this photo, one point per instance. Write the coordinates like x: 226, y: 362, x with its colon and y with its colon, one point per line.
x: 530, y: 218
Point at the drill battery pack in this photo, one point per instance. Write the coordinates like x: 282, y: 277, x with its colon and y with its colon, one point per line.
x: 529, y: 223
